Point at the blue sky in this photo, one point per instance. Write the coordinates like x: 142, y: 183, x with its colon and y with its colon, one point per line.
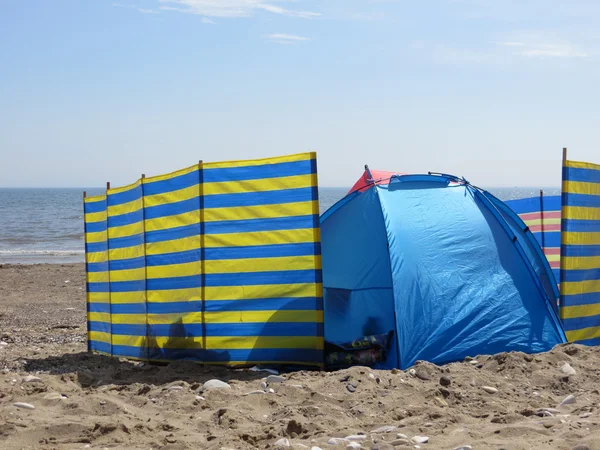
x: 95, y: 90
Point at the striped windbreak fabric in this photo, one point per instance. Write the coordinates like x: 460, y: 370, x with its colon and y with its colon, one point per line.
x: 542, y: 217
x: 580, y: 252
x: 217, y: 263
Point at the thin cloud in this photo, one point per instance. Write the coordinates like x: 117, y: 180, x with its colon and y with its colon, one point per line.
x: 137, y: 8
x: 281, y: 38
x: 554, y: 51
x: 233, y: 8
x: 547, y: 50
x: 208, y: 21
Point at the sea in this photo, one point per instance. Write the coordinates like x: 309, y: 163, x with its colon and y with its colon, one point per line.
x: 39, y: 225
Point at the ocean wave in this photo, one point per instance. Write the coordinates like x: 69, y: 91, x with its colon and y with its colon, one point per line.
x: 20, y: 252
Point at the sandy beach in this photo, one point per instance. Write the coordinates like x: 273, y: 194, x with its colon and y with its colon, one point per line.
x: 79, y: 400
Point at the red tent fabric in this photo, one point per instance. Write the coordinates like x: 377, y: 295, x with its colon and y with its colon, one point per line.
x: 379, y: 177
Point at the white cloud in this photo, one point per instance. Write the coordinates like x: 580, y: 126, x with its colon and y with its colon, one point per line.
x: 281, y: 38
x: 555, y: 51
x: 208, y: 21
x: 232, y: 8
x: 561, y: 50
x: 137, y: 8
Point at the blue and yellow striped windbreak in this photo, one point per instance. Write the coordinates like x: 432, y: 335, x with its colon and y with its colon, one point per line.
x: 580, y: 252
x: 218, y: 263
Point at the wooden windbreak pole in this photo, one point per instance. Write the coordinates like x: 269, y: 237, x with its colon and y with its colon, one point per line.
x: 107, y: 185
x: 563, y: 260
x: 542, y: 219
x: 202, y: 257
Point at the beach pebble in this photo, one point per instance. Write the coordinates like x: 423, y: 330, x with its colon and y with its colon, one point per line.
x: 353, y: 445
x: 263, y: 385
x: 445, y: 381
x: 337, y: 441
x: 200, y: 398
x: 54, y: 396
x: 356, y: 437
x: 383, y: 446
x: 271, y: 391
x: 581, y: 447
x: 283, y: 442
x: 175, y: 388
x: 567, y: 369
x: 550, y: 410
x: 3, y: 343
x: 384, y: 429
x: 396, y: 442
x: 255, y: 392
x: 569, y: 399
x: 351, y: 388
x: 420, y: 439
x: 489, y: 389
x: 32, y: 379
x: 401, y: 436
x: 371, y: 376
x: 395, y: 371
x: 215, y: 384
x: 24, y: 405
x: 316, y: 448
x: 422, y: 375
x: 275, y: 379
x: 585, y: 415
x: 463, y: 447
x: 412, y: 372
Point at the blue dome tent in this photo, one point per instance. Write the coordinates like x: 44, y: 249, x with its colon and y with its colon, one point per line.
x: 444, y: 268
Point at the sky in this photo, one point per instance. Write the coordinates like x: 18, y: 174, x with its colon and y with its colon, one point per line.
x: 97, y: 90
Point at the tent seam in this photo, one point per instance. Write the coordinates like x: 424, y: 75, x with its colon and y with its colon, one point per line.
x: 376, y: 187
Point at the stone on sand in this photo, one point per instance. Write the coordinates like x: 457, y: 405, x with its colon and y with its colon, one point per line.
x: 283, y: 442
x: 569, y: 399
x: 337, y: 441
x: 384, y: 429
x: 445, y: 381
x: 54, y: 396
x: 489, y: 389
x: 215, y: 384
x: 383, y: 446
x: 356, y: 437
x: 420, y: 439
x: 24, y: 405
x: 353, y: 445
x: 32, y: 379
x: 567, y: 369
x: 275, y: 379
